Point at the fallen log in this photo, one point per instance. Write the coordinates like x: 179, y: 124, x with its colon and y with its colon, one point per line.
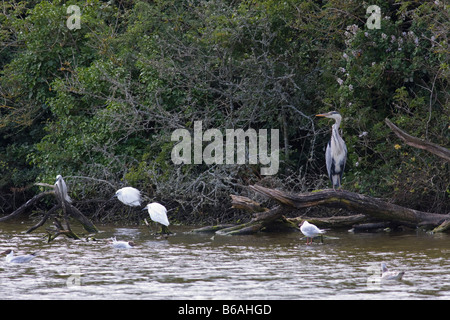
x: 26, y: 205
x: 265, y: 219
x: 381, y: 214
x: 444, y: 226
x: 212, y: 229
x: 370, y: 206
x: 332, y: 222
x: 44, y: 219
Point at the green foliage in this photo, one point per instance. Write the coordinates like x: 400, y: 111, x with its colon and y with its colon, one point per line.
x: 102, y: 101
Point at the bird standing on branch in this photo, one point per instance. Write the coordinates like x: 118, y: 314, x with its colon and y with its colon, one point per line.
x: 61, y: 189
x: 336, y: 152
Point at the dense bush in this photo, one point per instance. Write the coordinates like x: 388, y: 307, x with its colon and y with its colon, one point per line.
x: 98, y: 104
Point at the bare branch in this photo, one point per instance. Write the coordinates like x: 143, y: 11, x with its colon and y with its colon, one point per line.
x: 415, y: 142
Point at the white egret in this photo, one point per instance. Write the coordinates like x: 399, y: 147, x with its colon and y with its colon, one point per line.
x: 129, y: 196
x: 122, y: 244
x: 158, y: 213
x: 61, y: 189
x: 310, y: 230
x: 336, y: 152
x: 18, y: 259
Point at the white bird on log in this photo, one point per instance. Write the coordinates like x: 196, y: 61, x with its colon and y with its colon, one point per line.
x: 158, y: 213
x: 18, y: 259
x: 61, y: 189
x: 122, y: 244
x: 310, y: 230
x: 390, y: 275
x: 129, y: 196
x: 336, y: 152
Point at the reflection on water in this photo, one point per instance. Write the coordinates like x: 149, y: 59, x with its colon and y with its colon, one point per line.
x: 193, y: 266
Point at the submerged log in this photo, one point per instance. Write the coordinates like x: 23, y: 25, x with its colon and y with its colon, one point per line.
x: 444, y: 226
x: 263, y: 218
x: 60, y: 230
x: 212, y: 229
x: 332, y: 222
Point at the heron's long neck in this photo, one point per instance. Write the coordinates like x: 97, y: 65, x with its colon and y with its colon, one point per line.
x: 335, y: 128
x: 337, y: 123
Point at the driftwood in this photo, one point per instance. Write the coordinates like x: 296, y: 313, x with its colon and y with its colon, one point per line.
x: 369, y: 206
x: 26, y: 205
x: 373, y: 207
x: 438, y: 150
x: 60, y: 230
x: 62, y: 203
x: 415, y: 142
x: 384, y: 213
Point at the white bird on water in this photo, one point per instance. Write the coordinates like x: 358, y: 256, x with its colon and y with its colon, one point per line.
x: 18, y: 259
x: 310, y: 230
x: 158, y: 213
x: 129, y: 196
x: 122, y: 244
x: 390, y: 275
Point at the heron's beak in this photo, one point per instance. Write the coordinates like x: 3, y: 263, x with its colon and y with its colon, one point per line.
x: 145, y: 208
x: 114, y: 196
x: 323, y: 114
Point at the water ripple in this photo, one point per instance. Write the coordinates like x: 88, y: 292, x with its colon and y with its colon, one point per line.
x: 187, y: 266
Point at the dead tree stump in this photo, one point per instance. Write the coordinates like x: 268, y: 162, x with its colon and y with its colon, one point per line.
x: 63, y: 203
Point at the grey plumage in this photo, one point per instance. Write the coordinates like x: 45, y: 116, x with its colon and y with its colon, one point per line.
x: 336, y: 152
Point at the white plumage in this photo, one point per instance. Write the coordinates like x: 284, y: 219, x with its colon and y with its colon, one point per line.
x: 158, y: 213
x: 18, y: 259
x: 129, y: 196
x: 310, y: 230
x: 61, y: 188
x: 122, y: 244
x: 390, y: 275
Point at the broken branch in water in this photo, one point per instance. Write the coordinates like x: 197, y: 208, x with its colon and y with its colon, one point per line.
x: 62, y: 203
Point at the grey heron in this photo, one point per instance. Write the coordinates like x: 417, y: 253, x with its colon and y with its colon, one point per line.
x: 336, y: 152
x: 61, y: 189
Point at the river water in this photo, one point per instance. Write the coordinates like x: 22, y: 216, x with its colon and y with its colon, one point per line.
x: 198, y: 266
